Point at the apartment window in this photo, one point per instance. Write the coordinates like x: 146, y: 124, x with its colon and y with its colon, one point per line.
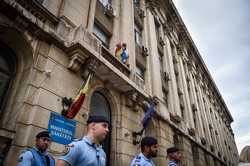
x: 101, y: 35
x: 138, y: 35
x: 137, y: 3
x: 140, y: 71
x: 105, y: 2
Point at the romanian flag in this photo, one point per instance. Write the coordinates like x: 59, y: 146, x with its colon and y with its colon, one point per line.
x: 78, y: 101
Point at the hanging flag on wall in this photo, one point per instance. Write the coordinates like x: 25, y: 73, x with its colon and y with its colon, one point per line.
x: 78, y: 101
x: 148, y: 115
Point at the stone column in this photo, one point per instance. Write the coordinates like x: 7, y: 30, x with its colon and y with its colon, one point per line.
x: 204, y: 114
x: 156, y: 84
x: 206, y: 104
x: 214, y: 124
x: 219, y: 130
x: 173, y: 89
x: 173, y: 94
x: 187, y: 104
x: 195, y: 97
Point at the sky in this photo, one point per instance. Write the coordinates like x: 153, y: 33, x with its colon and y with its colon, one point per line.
x: 221, y: 31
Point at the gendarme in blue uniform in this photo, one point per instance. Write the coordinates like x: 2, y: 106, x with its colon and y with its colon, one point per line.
x: 33, y: 157
x: 141, y: 160
x: 172, y: 163
x: 84, y: 152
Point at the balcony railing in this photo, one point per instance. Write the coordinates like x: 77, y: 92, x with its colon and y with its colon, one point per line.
x: 114, y: 61
x: 139, y: 81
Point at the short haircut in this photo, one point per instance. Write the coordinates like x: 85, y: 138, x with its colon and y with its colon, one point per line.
x: 172, y: 150
x: 148, y: 141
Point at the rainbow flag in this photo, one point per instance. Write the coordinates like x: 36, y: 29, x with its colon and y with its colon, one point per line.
x: 118, y: 51
x: 78, y: 101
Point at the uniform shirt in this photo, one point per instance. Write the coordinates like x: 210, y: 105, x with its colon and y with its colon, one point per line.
x: 26, y: 158
x: 84, y: 153
x: 172, y: 163
x: 141, y: 160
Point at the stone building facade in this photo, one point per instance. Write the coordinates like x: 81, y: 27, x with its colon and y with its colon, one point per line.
x: 47, y: 47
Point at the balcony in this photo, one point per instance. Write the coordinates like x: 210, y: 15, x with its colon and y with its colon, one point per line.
x: 85, y: 47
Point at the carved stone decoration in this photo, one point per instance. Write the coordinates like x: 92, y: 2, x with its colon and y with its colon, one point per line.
x: 191, y: 131
x: 175, y: 60
x: 179, y: 50
x: 203, y: 141
x: 161, y: 41
x: 141, y: 13
x: 180, y: 92
x: 76, y: 60
x: 144, y: 51
x: 210, y: 126
x: 212, y: 148
x: 167, y: 28
x: 92, y: 64
x: 219, y: 154
x: 182, y: 107
x: 194, y: 108
x: 166, y: 76
x: 174, y: 117
x: 109, y: 11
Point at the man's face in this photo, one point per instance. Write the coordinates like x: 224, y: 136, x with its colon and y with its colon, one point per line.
x: 43, y: 143
x: 153, y: 150
x: 176, y: 156
x: 101, y: 130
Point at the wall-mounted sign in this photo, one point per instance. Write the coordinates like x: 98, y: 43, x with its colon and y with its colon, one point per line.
x: 62, y: 130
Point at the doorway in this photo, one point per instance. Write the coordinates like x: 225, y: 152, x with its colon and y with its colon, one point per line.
x: 99, y: 105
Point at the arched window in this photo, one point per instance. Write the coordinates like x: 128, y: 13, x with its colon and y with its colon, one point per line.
x: 100, y: 106
x: 7, y: 70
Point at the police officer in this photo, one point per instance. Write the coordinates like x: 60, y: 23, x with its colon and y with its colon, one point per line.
x: 87, y: 151
x: 38, y: 155
x: 149, y: 149
x: 174, y: 156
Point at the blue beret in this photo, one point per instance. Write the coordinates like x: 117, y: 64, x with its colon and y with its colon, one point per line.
x: 43, y: 134
x: 148, y: 141
x: 172, y: 150
x: 97, y: 118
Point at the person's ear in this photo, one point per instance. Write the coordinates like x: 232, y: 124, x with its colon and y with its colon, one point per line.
x: 92, y: 126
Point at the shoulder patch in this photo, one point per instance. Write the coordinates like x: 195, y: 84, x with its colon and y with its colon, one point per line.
x: 138, y: 157
x: 67, y: 149
x: 137, y: 165
x: 20, y: 159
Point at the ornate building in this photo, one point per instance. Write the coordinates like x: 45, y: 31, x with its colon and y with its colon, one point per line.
x: 47, y: 47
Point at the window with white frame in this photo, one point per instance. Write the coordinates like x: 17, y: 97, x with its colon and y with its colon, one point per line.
x: 138, y: 35
x: 101, y: 35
